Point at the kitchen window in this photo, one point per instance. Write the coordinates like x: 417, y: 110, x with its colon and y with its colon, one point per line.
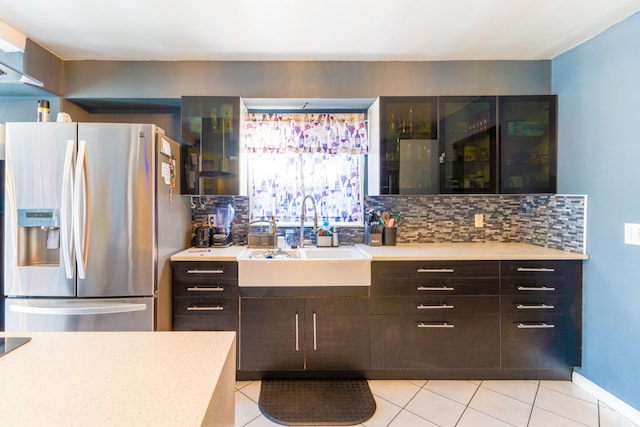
x: 291, y: 155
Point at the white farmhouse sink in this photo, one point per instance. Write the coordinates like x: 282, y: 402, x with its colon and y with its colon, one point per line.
x: 311, y: 266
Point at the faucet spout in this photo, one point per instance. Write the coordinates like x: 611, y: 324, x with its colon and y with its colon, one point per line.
x: 302, y: 215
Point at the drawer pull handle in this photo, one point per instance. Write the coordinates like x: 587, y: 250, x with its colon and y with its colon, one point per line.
x: 205, y: 271
x: 431, y: 288
x: 209, y: 308
x: 534, y: 307
x: 315, y: 333
x: 435, y: 270
x: 433, y: 307
x: 536, y: 269
x: 435, y: 325
x: 297, y: 333
x: 542, y: 325
x: 536, y: 288
x: 206, y: 289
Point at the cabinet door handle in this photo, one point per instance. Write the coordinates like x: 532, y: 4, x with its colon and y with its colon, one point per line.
x: 315, y: 339
x: 435, y: 270
x: 534, y: 307
x: 205, y: 308
x: 432, y: 288
x: 196, y: 271
x: 297, y: 331
x: 536, y: 269
x: 536, y: 288
x: 541, y: 325
x: 433, y: 307
x: 205, y: 289
x: 435, y: 325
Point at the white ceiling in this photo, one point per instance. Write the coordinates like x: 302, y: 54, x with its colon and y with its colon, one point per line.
x: 406, y: 30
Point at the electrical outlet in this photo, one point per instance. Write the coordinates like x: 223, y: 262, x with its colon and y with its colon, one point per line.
x: 631, y: 234
x: 212, y: 220
x: 479, y: 220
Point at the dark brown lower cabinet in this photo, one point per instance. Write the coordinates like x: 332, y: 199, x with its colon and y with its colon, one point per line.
x: 533, y: 341
x: 435, y: 341
x: 541, y: 309
x: 505, y: 319
x: 304, y: 333
x: 205, y: 296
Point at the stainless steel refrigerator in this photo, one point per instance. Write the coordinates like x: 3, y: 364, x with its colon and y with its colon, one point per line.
x: 92, y: 216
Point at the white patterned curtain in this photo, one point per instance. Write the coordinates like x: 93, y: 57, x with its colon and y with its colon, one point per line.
x: 294, y: 155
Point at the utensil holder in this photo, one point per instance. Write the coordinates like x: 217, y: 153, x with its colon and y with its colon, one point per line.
x: 372, y: 236
x: 324, y: 241
x: 389, y: 236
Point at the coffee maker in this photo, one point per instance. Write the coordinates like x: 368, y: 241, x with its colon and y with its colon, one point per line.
x: 201, y: 237
x: 221, y: 236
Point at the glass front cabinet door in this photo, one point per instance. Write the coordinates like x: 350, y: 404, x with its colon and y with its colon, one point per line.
x: 468, y: 144
x: 408, y: 145
x: 210, y: 134
x: 528, y: 155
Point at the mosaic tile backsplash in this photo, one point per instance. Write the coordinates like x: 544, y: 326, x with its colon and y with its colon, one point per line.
x: 554, y: 221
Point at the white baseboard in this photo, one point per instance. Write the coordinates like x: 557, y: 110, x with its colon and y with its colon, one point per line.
x: 607, y: 398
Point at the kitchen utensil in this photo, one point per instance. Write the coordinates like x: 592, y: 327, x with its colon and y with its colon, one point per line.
x: 385, y: 218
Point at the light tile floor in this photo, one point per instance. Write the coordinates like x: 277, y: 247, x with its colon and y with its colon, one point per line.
x: 464, y: 404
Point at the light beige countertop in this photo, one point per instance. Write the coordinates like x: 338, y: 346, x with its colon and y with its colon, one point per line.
x: 467, y: 252
x: 418, y: 252
x: 119, y: 379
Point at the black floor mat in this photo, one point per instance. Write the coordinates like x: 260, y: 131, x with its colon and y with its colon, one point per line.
x: 316, y: 402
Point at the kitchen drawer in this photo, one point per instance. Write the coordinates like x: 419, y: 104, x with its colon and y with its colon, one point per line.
x: 400, y: 271
x: 437, y: 286
x: 533, y: 341
x: 416, y: 342
x: 205, y: 323
x: 215, y: 288
x: 526, y: 285
x: 205, y: 306
x: 431, y: 305
x: 536, y: 268
x: 532, y: 305
x: 205, y: 272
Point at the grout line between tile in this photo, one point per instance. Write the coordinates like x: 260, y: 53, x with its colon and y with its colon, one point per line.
x: 533, y: 405
x: 404, y: 408
x: 515, y: 398
x: 567, y: 394
x: 466, y: 407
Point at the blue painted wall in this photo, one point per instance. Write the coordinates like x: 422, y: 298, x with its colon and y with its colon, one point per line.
x: 598, y: 87
x: 25, y: 108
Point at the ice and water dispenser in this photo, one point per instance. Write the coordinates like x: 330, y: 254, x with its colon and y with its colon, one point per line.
x: 38, y: 237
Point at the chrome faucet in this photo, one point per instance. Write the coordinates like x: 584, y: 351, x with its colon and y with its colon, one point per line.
x: 315, y: 217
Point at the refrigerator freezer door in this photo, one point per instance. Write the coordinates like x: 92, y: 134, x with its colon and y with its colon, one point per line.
x: 37, y: 154
x: 105, y: 314
x: 116, y: 205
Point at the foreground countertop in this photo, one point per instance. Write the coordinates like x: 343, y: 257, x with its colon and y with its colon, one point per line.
x: 418, y: 252
x: 119, y: 378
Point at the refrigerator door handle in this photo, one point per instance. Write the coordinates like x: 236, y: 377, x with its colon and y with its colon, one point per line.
x: 81, y: 213
x: 65, y: 210
x: 77, y: 311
